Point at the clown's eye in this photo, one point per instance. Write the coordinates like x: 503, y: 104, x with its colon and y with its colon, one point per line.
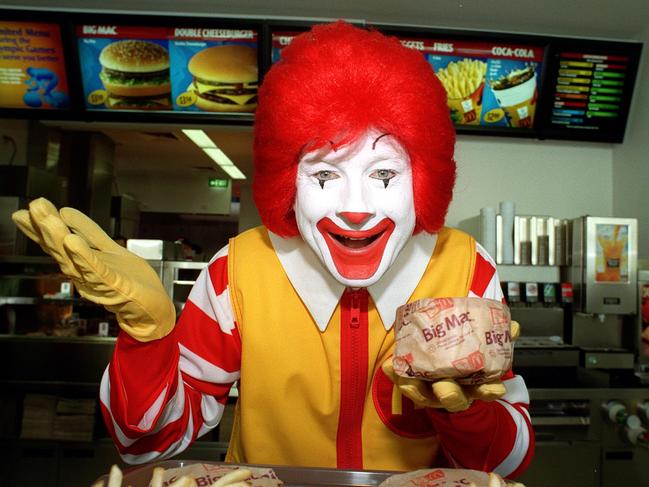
x: 384, y: 175
x: 323, y: 176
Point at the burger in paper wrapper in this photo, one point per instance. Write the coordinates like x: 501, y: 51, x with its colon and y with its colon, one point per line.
x: 466, y: 339
x: 445, y: 477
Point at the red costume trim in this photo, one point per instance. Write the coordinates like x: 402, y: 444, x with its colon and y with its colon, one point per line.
x: 353, y: 378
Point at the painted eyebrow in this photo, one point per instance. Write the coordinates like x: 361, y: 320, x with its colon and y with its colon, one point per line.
x: 379, y: 138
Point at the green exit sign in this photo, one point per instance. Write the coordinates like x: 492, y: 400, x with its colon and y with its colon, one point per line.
x: 218, y: 183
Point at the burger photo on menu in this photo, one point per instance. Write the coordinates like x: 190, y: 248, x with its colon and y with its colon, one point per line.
x: 135, y: 75
x: 225, y: 78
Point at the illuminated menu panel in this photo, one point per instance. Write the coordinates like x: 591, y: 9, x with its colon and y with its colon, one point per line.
x: 490, y: 84
x: 124, y: 67
x: 590, y: 90
x: 281, y: 39
x: 214, y: 70
x: 189, y: 69
x: 32, y: 66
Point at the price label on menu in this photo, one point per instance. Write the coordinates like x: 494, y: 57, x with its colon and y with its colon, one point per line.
x: 590, y: 90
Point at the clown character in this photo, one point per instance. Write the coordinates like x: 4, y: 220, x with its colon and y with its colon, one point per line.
x: 354, y: 172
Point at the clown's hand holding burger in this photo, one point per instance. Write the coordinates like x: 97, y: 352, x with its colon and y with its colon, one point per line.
x: 354, y: 173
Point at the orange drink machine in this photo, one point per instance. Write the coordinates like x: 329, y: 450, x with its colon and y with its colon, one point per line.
x: 604, y: 272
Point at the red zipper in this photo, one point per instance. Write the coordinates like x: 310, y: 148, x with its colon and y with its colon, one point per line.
x: 353, y: 378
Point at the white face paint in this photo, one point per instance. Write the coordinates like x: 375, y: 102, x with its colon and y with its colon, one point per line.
x: 355, y: 207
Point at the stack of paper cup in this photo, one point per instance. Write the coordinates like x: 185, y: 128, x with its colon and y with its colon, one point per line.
x: 488, y: 230
x: 507, y: 210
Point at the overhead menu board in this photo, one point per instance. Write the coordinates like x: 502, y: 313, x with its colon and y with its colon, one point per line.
x: 488, y: 84
x: 170, y: 68
x: 175, y: 69
x: 591, y: 92
x: 32, y: 66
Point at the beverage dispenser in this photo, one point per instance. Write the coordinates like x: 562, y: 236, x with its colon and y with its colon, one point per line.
x: 603, y: 270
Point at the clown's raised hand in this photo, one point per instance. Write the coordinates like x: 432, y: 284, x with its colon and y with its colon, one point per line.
x: 102, y: 271
x: 447, y: 393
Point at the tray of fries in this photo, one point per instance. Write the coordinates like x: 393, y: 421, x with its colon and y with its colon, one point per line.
x: 179, y: 473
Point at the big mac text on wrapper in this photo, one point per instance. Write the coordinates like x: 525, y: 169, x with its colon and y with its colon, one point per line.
x: 466, y: 339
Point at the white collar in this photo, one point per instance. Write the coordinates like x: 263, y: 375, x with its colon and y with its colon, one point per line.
x: 320, y: 292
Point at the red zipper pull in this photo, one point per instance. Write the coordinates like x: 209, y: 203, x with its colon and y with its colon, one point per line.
x: 355, y: 309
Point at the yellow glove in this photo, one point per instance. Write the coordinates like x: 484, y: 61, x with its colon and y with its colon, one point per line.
x: 102, y: 271
x: 447, y: 393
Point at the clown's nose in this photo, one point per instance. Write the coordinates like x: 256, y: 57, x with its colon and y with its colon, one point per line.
x: 354, y: 217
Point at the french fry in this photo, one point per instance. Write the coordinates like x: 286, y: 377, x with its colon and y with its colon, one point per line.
x: 115, y: 477
x: 156, y: 477
x: 184, y: 481
x: 99, y: 483
x: 232, y: 477
x: 494, y: 481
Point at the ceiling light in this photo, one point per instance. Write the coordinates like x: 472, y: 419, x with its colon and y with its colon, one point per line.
x: 233, y: 172
x: 218, y: 156
x: 224, y: 162
x: 199, y: 137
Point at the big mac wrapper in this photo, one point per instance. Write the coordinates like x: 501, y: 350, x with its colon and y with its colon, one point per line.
x: 446, y: 477
x: 466, y: 339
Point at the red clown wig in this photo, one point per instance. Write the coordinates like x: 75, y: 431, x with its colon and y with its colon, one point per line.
x: 331, y: 85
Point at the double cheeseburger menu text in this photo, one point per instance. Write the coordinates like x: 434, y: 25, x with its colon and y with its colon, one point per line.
x: 487, y: 84
x: 32, y: 66
x: 124, y: 67
x: 214, y: 70
x: 172, y: 69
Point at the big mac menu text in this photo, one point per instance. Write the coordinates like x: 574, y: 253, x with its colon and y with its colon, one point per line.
x: 168, y: 68
x: 487, y: 84
x: 32, y: 67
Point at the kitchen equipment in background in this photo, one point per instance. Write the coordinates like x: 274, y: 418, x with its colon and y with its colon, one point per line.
x: 603, y: 270
x: 542, y: 345
x: 603, y: 266
x: 539, y: 240
x: 520, y: 239
x: 18, y: 186
x: 178, y: 278
x: 30, y: 182
x: 642, y: 368
x: 507, y: 212
x: 153, y: 249
x: 125, y: 216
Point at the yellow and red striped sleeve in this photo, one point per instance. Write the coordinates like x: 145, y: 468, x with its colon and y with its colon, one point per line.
x: 489, y: 436
x: 158, y: 397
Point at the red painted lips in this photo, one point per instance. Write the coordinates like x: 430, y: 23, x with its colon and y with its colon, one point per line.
x: 356, y: 253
